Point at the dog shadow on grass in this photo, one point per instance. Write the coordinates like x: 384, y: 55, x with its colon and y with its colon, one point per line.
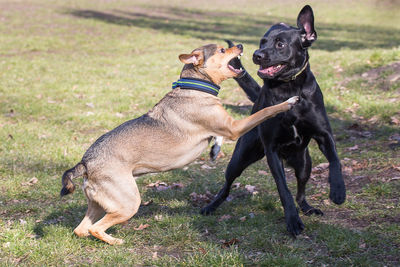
x: 240, y: 27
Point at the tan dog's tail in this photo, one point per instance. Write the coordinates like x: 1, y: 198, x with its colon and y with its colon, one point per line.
x: 68, y: 185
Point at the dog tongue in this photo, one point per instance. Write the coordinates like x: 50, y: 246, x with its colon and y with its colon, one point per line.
x: 270, y: 71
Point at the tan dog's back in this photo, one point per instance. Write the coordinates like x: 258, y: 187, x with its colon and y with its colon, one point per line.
x: 159, y: 140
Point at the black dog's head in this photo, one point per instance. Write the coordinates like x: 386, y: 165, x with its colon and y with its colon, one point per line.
x: 283, y: 49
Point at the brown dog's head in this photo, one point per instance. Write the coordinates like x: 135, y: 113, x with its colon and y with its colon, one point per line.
x: 211, y: 62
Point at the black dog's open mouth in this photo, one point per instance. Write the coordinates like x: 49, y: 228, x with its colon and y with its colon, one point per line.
x: 272, y: 70
x: 234, y: 64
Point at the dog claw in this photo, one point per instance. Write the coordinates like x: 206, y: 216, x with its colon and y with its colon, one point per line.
x: 293, y: 101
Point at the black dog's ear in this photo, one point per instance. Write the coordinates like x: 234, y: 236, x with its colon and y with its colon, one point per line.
x: 305, y: 22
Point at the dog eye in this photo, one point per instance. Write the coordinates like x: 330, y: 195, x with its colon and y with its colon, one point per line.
x: 222, y: 50
x: 280, y: 44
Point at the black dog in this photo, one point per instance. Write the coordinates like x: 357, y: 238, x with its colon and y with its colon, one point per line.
x: 285, y: 70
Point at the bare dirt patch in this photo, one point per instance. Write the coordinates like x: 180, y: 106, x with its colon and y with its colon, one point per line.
x: 386, y: 75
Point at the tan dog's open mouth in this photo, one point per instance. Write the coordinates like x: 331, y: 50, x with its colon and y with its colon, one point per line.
x: 233, y: 63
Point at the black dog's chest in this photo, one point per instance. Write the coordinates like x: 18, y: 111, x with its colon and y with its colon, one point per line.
x: 289, y: 130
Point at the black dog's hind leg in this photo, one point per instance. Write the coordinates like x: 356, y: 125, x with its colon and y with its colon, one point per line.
x: 294, y: 224
x: 247, y: 151
x: 337, y: 188
x: 301, y: 163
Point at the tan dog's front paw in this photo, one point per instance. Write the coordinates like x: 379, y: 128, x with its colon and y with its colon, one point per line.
x: 293, y: 101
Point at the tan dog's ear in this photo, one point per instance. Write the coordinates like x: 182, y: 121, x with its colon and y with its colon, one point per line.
x: 195, y: 58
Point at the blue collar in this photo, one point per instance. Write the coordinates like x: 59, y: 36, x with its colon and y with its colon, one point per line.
x: 197, y: 84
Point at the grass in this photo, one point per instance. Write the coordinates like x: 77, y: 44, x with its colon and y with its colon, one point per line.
x: 71, y: 71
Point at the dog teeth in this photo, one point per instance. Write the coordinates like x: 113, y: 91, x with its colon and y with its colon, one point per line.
x: 241, y: 54
x: 241, y: 69
x: 238, y: 57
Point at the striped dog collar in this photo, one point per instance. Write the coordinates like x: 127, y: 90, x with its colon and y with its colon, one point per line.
x: 197, y: 84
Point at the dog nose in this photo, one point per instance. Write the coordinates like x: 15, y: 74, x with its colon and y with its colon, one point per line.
x: 240, y: 46
x: 258, y: 56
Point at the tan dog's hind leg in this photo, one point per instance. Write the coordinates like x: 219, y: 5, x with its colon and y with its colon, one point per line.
x: 121, y: 200
x: 93, y: 213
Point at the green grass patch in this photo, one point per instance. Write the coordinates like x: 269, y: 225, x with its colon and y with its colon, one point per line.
x: 71, y: 71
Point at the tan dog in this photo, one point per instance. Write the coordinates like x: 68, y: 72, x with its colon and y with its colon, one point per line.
x: 171, y: 135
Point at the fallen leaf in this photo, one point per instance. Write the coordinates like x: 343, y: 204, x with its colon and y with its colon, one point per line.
x: 200, y: 199
x: 251, y: 189
x: 374, y: 119
x: 395, y: 137
x: 353, y: 148
x: 147, y: 203
x: 321, y: 167
x: 366, y: 134
x: 177, y: 185
x: 235, y: 185
x: 206, y: 167
x: 158, y: 217
x: 32, y: 236
x: 221, y: 155
x: 242, y: 219
x: 202, y: 251
x: 394, y: 120
x: 224, y: 217
x: 141, y: 227
x: 90, y: 105
x: 397, y: 168
x: 159, y: 186
x: 262, y: 172
x: 316, y: 196
x: 229, y: 243
x: 347, y: 170
x: 162, y: 187
x: 327, y: 202
x: 31, y: 181
x: 155, y: 255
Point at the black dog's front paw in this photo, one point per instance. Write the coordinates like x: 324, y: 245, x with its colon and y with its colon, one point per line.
x: 294, y: 225
x: 338, y: 193
x: 236, y: 62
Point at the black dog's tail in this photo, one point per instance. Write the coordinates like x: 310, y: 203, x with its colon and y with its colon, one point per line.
x: 68, y: 185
